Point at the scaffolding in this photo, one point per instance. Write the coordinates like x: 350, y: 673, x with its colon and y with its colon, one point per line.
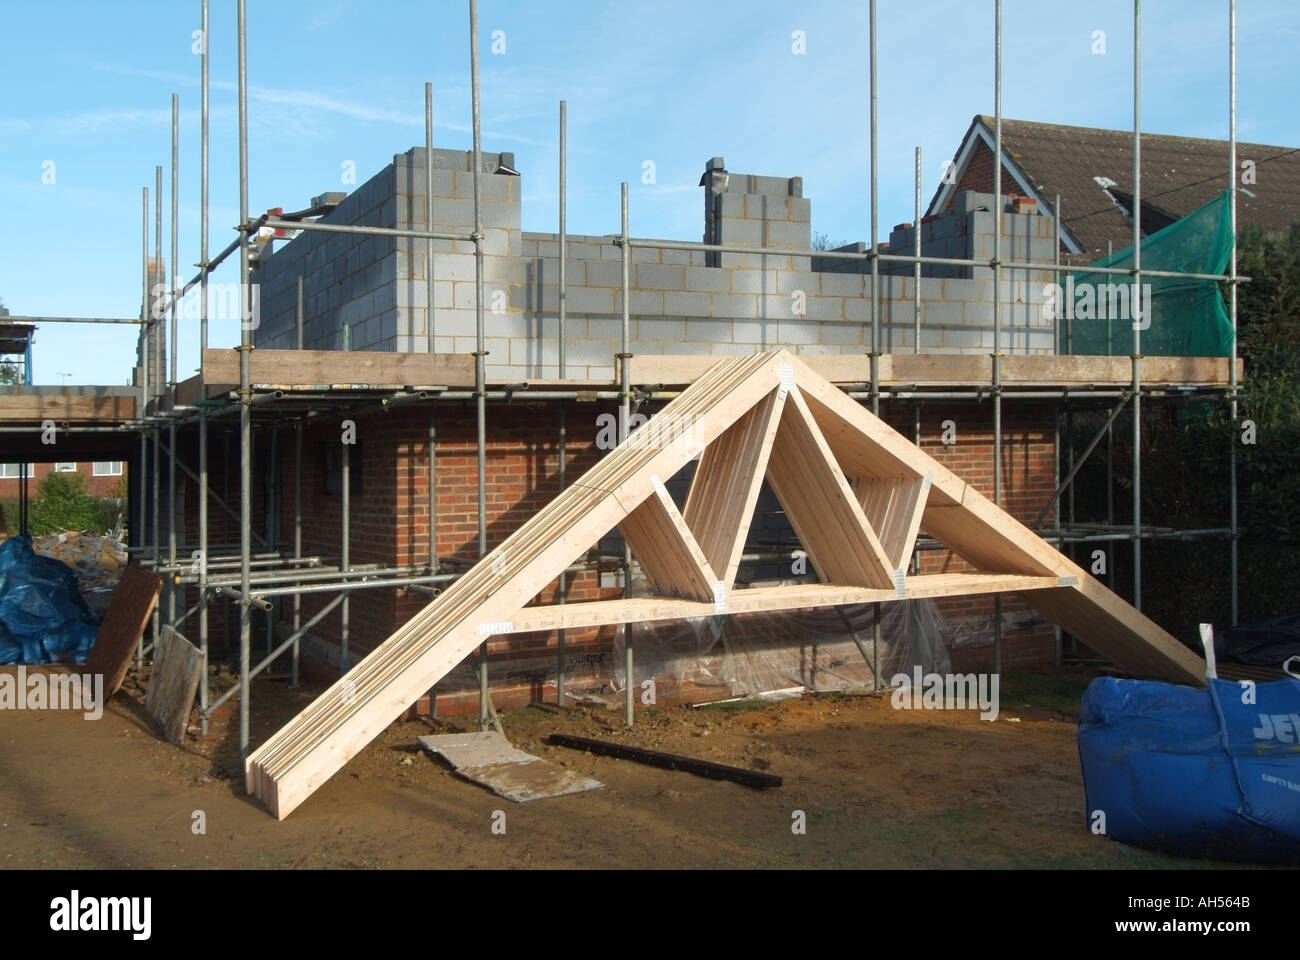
x: 252, y: 576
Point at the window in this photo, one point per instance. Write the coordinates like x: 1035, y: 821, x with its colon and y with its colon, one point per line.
x: 108, y: 468
x: 65, y: 467
x: 332, y: 468
x: 9, y: 471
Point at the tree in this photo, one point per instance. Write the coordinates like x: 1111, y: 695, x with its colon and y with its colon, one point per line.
x: 1185, y: 462
x: 821, y: 241
x: 61, y: 503
x: 1268, y: 321
x: 8, y: 369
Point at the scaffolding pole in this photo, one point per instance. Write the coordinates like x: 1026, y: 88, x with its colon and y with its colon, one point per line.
x: 997, y: 304
x: 624, y: 420
x: 171, y: 380
x: 873, y: 246
x: 345, y: 550
x: 300, y: 316
x: 1057, y: 646
x: 205, y: 679
x: 145, y: 318
x: 916, y: 266
x: 245, y: 395
x: 160, y: 389
x: 428, y: 220
x: 431, y: 432
x: 1233, y: 546
x: 562, y: 336
x: 916, y: 320
x: 480, y: 353
x: 1057, y: 651
x: 431, y: 439
x: 1137, y: 285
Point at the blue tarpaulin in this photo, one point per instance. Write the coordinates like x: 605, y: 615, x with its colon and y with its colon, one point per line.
x: 43, y: 618
x: 1195, y: 772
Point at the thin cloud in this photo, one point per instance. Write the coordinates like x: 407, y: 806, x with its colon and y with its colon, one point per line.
x: 81, y: 124
x: 503, y: 90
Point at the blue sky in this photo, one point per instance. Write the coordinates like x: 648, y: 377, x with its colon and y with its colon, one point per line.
x: 87, y: 85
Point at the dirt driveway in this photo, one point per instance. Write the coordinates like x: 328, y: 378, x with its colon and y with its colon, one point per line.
x: 877, y: 787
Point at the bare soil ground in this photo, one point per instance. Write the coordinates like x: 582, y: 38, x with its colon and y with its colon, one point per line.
x: 879, y: 788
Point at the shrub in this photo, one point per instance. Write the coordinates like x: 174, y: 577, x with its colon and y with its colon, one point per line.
x: 61, y: 503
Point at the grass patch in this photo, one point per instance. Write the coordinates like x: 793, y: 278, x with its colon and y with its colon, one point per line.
x: 1046, y: 691
x: 737, y: 706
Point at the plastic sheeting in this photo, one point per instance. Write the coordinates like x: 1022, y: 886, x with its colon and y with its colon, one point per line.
x: 1260, y: 643
x: 748, y: 654
x: 43, y: 618
x: 1195, y: 772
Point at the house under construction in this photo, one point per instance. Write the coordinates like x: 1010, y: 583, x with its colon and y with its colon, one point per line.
x: 418, y: 378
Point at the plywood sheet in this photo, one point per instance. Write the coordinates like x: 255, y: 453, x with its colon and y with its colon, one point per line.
x: 123, y: 624
x: 173, y: 682
x: 489, y: 759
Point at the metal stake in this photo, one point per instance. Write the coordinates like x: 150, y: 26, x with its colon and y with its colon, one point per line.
x: 245, y: 397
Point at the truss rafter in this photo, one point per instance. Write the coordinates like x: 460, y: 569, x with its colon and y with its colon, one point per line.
x: 855, y: 492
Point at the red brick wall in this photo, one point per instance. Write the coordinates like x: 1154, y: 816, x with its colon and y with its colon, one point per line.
x: 390, y: 516
x: 523, y: 476
x: 95, y: 486
x: 1028, y: 434
x: 978, y: 175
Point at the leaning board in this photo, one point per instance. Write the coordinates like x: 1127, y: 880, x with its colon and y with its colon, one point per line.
x: 173, y: 682
x: 128, y: 612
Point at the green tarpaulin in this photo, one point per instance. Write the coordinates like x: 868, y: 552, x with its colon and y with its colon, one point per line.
x: 1097, y: 311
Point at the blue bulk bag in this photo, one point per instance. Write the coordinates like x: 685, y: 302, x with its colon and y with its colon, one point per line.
x: 1195, y: 772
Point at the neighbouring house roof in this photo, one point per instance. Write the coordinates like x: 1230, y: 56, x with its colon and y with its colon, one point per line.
x: 1092, y: 171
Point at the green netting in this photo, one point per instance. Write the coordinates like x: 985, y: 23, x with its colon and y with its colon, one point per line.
x: 1187, y: 317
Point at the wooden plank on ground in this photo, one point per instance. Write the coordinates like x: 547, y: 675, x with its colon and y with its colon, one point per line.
x: 669, y: 761
x: 173, y: 682
x: 123, y: 625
